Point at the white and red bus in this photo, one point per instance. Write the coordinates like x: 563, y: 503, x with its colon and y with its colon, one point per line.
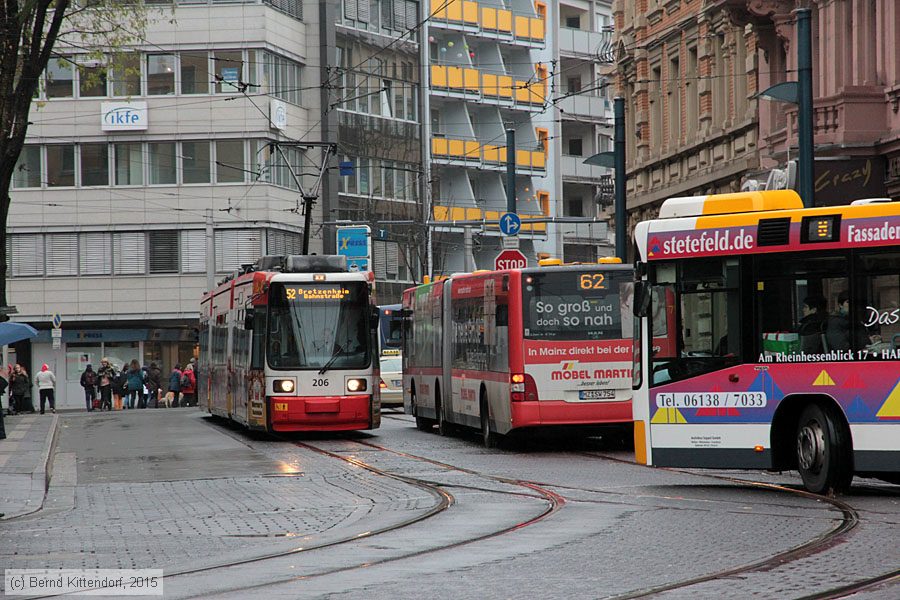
x: 503, y: 351
x: 783, y: 337
x: 290, y: 344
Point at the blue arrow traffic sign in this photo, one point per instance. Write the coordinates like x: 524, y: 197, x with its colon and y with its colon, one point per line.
x: 510, y: 223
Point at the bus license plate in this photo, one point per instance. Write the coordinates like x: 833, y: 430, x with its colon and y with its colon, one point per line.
x: 596, y: 394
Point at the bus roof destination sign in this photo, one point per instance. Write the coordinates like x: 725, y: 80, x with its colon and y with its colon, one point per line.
x: 510, y: 259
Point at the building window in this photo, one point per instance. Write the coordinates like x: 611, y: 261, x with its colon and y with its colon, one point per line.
x: 193, y: 251
x: 61, y: 251
x: 130, y: 252
x: 691, y: 93
x: 573, y: 22
x: 91, y: 81
x: 236, y: 247
x: 673, y: 86
x: 160, y: 74
x: 195, y: 162
x: 282, y: 78
x: 575, y: 147
x: 230, y: 161
x: 163, y: 251
x: 574, y: 207
x: 27, y: 173
x: 162, y: 163
x: 228, y: 70
x: 194, y: 73
x: 126, y: 76
x: 60, y: 78
x: 61, y: 165
x: 26, y: 255
x: 95, y: 256
x: 129, y: 164
x: 653, y: 89
x: 94, y: 164
x: 574, y: 84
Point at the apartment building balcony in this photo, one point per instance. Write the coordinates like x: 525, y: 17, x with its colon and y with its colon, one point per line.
x: 574, y: 169
x: 459, y: 214
x: 489, y: 22
x: 492, y: 88
x: 473, y: 153
x: 585, y: 107
x: 582, y: 44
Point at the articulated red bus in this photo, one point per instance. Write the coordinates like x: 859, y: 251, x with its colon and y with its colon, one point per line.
x: 502, y: 351
x: 289, y: 345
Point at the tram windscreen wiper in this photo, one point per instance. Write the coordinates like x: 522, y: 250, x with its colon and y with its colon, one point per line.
x: 341, y: 350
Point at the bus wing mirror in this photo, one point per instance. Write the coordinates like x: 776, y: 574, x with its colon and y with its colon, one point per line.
x: 249, y: 314
x: 642, y: 298
x: 406, y: 313
x: 374, y: 317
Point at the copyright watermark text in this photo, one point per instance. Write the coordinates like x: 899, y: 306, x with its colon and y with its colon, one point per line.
x: 87, y: 582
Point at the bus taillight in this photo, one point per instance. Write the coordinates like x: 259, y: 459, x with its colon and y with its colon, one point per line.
x: 522, y: 388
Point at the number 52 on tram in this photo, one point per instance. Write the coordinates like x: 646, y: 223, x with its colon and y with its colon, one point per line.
x: 289, y: 344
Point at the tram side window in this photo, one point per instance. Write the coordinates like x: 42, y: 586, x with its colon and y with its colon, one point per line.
x: 879, y: 286
x: 258, y: 341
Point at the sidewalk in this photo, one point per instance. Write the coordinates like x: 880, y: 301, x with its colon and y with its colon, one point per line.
x: 24, y: 460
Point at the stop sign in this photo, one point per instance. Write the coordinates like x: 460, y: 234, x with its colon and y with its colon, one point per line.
x: 510, y: 259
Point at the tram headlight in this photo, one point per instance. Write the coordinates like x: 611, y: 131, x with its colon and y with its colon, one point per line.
x: 284, y: 385
x: 357, y: 385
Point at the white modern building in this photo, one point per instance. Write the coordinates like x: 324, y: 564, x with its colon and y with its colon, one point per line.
x: 124, y: 166
x: 534, y: 67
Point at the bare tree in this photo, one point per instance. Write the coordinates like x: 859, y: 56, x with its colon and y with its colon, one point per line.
x: 30, y: 32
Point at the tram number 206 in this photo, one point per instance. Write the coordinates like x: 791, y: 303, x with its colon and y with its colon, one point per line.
x: 320, y: 382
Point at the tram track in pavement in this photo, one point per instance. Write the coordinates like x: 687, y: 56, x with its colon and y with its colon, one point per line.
x: 849, y: 519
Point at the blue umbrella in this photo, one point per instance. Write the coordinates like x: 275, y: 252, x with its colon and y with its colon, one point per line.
x: 11, y: 333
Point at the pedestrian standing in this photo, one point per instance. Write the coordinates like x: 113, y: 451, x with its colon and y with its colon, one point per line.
x: 154, y: 382
x: 3, y: 386
x: 134, y: 384
x: 20, y: 388
x: 46, y: 382
x: 118, y: 388
x: 189, y: 386
x: 174, y: 392
x: 106, y: 375
x: 89, y: 383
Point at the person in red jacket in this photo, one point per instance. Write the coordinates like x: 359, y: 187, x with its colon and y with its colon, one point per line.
x: 189, y: 386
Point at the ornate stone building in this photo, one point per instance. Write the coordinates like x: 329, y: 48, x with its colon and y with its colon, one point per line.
x: 690, y: 71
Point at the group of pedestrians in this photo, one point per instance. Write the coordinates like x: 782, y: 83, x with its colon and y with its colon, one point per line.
x: 18, y: 384
x: 136, y: 386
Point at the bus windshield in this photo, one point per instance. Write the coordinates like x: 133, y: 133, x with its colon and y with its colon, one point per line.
x: 311, y: 324
x: 577, y: 305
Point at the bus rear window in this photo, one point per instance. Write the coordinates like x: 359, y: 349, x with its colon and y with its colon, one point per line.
x: 577, y: 305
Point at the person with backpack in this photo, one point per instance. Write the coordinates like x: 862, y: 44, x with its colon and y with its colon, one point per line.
x: 106, y: 375
x: 174, y: 393
x: 134, y: 384
x: 154, y: 382
x: 89, y: 383
x: 189, y: 386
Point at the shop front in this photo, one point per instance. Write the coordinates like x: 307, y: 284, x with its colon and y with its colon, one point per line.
x: 81, y: 347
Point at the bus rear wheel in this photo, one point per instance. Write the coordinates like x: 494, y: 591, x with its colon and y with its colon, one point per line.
x: 488, y: 438
x: 422, y: 424
x: 823, y: 451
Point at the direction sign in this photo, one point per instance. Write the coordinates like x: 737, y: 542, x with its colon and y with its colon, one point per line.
x: 510, y: 223
x: 510, y: 259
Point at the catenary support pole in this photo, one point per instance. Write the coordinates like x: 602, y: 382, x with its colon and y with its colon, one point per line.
x: 210, y: 251
x: 619, y: 148
x: 511, y: 170
x: 469, y: 257
x: 805, y: 112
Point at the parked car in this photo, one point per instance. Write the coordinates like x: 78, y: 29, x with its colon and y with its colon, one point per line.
x: 391, y: 381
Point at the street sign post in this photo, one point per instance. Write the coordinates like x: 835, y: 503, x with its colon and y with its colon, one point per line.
x: 355, y: 242
x: 510, y: 223
x: 510, y: 259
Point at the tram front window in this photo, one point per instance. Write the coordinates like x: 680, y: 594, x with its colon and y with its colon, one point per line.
x: 314, y: 325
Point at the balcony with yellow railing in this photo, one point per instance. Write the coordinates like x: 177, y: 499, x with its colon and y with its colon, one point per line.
x: 507, y: 90
x: 468, y: 152
x: 451, y: 214
x: 488, y: 21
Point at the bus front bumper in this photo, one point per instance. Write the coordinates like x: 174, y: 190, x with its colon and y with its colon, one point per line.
x: 327, y: 413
